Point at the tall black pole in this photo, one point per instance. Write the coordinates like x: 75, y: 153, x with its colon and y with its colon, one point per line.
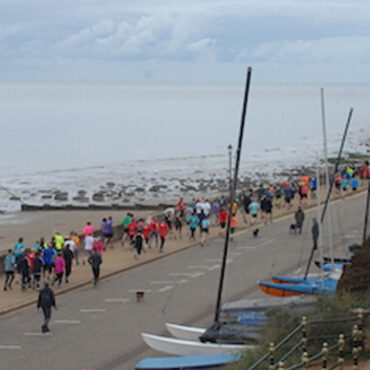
x: 366, y: 213
x: 232, y: 195
x: 337, y: 163
x: 328, y: 193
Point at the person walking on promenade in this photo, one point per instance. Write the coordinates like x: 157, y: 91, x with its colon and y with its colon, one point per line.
x: 162, y: 230
x: 59, y: 267
x: 315, y: 232
x: 95, y: 260
x: 146, y: 235
x: 9, y: 264
x: 68, y: 257
x: 46, y: 301
x: 178, y: 226
x: 299, y: 218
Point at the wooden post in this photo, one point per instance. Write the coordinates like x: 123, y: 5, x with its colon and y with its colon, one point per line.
x: 324, y: 353
x: 360, y: 333
x: 341, y: 343
x: 272, y: 356
x: 305, y: 360
x: 355, y: 358
x: 304, y: 334
x: 355, y: 349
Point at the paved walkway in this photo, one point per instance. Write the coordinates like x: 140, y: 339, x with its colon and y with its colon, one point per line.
x: 118, y: 260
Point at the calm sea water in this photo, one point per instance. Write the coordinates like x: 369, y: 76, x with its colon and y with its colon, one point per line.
x: 45, y: 128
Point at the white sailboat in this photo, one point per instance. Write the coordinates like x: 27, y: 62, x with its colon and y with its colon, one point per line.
x: 181, y: 347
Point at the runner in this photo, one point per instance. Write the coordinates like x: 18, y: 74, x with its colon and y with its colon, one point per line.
x: 233, y: 223
x: 76, y: 251
x: 222, y: 217
x: 88, y: 229
x: 178, y: 225
x: 146, y: 235
x: 125, y: 222
x: 59, y: 241
x: 9, y: 265
x: 89, y: 241
x: 107, y: 230
x: 193, y: 224
x: 59, y: 266
x: 68, y: 257
x: 48, y: 255
x: 299, y: 219
x: 204, y: 230
x: 180, y: 207
x: 138, y: 244
x: 38, y: 266
x: 253, y: 210
x: 153, y: 232
x: 266, y: 205
x: 162, y: 229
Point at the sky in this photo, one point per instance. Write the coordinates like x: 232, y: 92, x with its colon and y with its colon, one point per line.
x: 189, y: 41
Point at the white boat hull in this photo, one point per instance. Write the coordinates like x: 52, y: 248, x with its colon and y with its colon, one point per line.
x: 184, y: 332
x: 180, y: 347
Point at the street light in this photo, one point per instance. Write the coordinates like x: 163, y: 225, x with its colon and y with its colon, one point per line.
x: 230, y: 151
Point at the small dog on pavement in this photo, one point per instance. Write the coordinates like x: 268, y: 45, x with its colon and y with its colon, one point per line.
x: 255, y: 232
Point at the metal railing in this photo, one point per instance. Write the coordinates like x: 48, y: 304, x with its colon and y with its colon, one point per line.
x: 357, y: 337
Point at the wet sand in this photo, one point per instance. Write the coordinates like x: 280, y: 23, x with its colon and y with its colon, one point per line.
x: 35, y: 224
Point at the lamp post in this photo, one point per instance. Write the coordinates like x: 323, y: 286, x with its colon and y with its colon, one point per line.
x: 230, y: 151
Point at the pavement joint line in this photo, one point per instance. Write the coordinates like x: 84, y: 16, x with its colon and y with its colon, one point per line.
x: 182, y: 281
x: 159, y: 282
x: 190, y: 274
x: 82, y: 284
x: 67, y: 321
x: 86, y: 310
x: 118, y: 300
x: 198, y: 266
x: 140, y: 290
x: 10, y: 347
x: 37, y: 334
x: 165, y: 289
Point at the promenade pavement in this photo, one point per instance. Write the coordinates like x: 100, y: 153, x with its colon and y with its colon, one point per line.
x: 123, y: 258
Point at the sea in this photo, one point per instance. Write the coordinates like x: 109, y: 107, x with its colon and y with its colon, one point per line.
x: 79, y: 138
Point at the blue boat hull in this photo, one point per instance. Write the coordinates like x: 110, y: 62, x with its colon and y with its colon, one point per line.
x: 186, y: 362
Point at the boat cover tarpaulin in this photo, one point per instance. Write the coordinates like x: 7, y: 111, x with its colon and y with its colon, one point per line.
x: 220, y: 332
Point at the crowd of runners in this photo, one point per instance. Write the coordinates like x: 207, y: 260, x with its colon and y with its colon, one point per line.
x: 52, y: 260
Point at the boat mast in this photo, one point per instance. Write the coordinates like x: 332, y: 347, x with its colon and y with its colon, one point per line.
x: 318, y: 200
x: 232, y: 195
x: 331, y: 185
x: 327, y: 183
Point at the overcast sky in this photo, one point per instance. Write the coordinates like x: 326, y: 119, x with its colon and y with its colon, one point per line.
x: 192, y: 41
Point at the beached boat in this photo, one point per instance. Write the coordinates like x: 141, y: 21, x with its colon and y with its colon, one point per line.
x: 184, y: 332
x: 186, y: 362
x: 181, y: 347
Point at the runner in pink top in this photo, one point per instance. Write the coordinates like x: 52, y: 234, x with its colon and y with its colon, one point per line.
x: 88, y: 229
x: 59, y: 266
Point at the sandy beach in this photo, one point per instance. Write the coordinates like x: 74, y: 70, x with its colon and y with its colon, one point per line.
x: 34, y: 224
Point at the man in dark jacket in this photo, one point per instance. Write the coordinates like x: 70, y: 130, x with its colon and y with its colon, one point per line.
x: 95, y: 261
x: 299, y: 218
x: 46, y: 301
x: 315, y: 232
